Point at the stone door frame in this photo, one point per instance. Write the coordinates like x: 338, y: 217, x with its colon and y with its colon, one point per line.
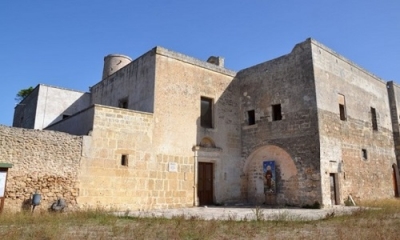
x: 210, y: 155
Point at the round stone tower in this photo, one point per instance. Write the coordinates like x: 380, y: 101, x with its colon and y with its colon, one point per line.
x: 113, y: 63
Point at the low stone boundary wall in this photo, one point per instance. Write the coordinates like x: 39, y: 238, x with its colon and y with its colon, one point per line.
x: 43, y: 161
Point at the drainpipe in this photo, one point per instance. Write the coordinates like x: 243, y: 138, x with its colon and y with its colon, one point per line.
x: 195, y: 149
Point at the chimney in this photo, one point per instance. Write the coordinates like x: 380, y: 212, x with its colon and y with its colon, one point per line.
x: 219, y: 61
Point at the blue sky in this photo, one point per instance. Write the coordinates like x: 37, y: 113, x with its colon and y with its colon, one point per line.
x: 62, y: 43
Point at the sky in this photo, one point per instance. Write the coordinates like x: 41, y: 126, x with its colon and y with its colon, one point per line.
x: 63, y: 43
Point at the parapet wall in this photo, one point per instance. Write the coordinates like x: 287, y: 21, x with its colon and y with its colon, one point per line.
x: 46, y: 161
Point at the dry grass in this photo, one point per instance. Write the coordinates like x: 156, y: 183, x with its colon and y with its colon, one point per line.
x: 380, y: 221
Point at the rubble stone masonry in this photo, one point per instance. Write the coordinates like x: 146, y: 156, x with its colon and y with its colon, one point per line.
x: 43, y: 161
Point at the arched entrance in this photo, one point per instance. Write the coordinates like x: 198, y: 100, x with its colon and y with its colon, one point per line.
x: 259, y: 168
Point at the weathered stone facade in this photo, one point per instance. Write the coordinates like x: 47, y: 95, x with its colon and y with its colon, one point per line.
x: 167, y: 130
x: 343, y: 141
x: 180, y: 84
x: 292, y: 141
x: 145, y: 181
x: 43, y: 161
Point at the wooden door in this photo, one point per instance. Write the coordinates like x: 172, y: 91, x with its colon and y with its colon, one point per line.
x: 333, y: 188
x: 205, y: 184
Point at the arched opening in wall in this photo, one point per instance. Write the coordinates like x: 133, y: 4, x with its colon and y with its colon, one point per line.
x: 270, y: 177
x: 396, y: 180
x: 207, y: 143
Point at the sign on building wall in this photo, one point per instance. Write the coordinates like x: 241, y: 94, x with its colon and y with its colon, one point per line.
x: 269, y: 177
x: 3, y: 176
x: 172, y: 167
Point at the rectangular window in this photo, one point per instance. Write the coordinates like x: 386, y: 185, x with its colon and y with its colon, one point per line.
x: 364, y: 154
x: 64, y: 116
x: 123, y: 103
x: 276, y: 112
x: 374, y: 120
x: 342, y: 107
x: 251, y: 117
x: 206, y: 115
x: 124, y: 160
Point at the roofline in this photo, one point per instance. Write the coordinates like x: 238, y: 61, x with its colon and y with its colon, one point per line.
x: 45, y: 85
x: 194, y: 61
x: 341, y: 57
x: 62, y: 88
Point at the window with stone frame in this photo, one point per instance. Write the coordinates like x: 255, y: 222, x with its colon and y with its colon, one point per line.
x: 206, y: 112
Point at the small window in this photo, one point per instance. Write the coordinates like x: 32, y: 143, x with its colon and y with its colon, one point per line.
x: 342, y: 112
x: 364, y: 154
x: 124, y: 160
x: 374, y: 120
x: 123, y: 103
x: 276, y: 112
x: 64, y: 116
x: 206, y: 112
x: 342, y: 107
x: 251, y: 117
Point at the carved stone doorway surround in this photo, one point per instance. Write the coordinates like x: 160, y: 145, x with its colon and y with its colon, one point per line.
x: 210, y: 155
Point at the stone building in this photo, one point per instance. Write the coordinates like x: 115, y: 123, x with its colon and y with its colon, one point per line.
x: 167, y: 130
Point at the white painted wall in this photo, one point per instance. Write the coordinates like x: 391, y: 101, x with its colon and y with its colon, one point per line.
x: 54, y: 102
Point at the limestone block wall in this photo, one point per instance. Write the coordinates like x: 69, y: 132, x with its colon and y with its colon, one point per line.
x: 133, y: 84
x: 365, y: 175
x: 181, y: 81
x: 46, y: 161
x: 291, y: 141
x: 147, y: 180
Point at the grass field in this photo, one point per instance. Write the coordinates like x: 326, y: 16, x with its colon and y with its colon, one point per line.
x: 380, y: 221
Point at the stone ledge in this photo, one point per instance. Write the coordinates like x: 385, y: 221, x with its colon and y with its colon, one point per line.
x: 5, y: 165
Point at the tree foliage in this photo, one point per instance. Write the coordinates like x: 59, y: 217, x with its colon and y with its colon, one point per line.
x: 23, y: 93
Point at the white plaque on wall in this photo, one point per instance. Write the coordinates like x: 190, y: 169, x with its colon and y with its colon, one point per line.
x: 172, y: 167
x: 3, y: 176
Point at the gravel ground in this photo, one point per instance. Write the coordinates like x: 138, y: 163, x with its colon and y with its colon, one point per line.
x: 244, y: 213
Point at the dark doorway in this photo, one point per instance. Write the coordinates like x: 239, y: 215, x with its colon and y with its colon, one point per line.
x: 334, y: 195
x: 205, y: 184
x: 395, y: 180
